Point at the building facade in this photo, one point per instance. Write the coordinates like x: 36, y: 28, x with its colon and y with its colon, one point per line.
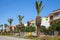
x: 45, y: 22
x: 55, y: 15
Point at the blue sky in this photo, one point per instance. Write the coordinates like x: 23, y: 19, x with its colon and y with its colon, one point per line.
x: 26, y: 8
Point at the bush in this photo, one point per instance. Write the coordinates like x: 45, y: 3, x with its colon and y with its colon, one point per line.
x: 30, y: 29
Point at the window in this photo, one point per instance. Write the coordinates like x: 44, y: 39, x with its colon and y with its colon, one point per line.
x: 56, y: 14
x: 33, y: 24
x: 51, y: 18
x: 46, y: 19
x: 51, y: 23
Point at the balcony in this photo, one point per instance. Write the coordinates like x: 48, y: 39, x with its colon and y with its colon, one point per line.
x: 56, y: 17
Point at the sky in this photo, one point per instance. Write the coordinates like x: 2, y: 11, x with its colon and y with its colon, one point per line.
x: 26, y: 8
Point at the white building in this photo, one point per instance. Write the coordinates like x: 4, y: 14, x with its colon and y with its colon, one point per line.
x: 45, y: 22
x: 25, y: 24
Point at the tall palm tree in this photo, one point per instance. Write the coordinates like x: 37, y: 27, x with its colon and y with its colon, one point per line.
x: 5, y: 25
x: 10, y: 23
x: 1, y: 25
x: 20, y: 18
x: 20, y: 22
x: 38, y: 18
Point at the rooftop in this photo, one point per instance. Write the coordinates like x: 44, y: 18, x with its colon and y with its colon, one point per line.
x: 54, y: 12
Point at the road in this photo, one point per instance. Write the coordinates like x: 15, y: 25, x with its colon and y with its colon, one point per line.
x: 11, y: 38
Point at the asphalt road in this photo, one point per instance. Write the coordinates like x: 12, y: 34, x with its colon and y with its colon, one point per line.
x: 11, y: 38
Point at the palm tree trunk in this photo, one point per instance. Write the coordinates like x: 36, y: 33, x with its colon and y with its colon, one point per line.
x: 19, y: 32
x: 59, y: 33
x: 38, y: 23
x: 5, y: 31
x: 38, y: 32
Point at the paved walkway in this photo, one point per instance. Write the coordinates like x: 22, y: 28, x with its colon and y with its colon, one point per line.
x: 11, y: 38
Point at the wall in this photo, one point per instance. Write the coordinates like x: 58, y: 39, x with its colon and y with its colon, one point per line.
x: 45, y: 22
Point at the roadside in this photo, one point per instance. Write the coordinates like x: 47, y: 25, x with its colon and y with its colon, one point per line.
x: 11, y: 38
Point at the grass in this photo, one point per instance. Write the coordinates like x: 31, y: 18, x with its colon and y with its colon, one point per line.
x: 33, y: 37
x: 48, y: 38
x: 6, y: 34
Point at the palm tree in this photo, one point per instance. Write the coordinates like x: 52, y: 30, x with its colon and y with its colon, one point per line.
x: 38, y: 18
x: 20, y: 18
x: 28, y: 23
x: 20, y: 22
x: 1, y: 25
x: 10, y: 23
x: 5, y: 25
x: 23, y: 29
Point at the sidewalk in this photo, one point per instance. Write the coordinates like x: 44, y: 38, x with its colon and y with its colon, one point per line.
x: 11, y: 38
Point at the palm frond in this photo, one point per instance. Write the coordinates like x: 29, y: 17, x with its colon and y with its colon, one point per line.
x: 20, y: 18
x: 38, y: 7
x: 5, y: 25
x: 40, y: 4
x: 1, y: 25
x: 10, y: 21
x: 41, y: 8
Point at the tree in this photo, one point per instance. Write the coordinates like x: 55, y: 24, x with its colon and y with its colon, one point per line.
x: 5, y: 25
x: 30, y: 29
x: 38, y: 18
x: 10, y: 23
x: 57, y: 25
x: 23, y: 29
x: 51, y: 29
x: 42, y: 28
x: 28, y: 23
x: 20, y: 22
x: 1, y: 25
x: 16, y: 29
x: 20, y: 18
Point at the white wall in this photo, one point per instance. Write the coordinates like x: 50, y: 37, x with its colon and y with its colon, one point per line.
x: 45, y: 22
x: 25, y: 24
